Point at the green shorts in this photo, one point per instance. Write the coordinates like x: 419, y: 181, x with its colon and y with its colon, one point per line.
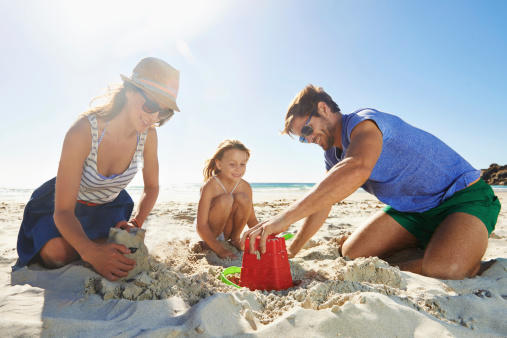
x: 478, y: 200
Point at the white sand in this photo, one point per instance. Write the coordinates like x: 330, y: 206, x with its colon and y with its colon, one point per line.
x: 181, y: 294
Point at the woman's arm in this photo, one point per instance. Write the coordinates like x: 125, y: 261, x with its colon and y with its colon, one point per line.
x: 108, y: 260
x: 76, y: 147
x: 150, y: 178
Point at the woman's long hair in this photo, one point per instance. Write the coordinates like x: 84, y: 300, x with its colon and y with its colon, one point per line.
x: 111, y: 103
x: 210, y: 168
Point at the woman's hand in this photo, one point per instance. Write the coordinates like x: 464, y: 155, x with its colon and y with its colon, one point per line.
x: 109, y: 260
x: 124, y: 225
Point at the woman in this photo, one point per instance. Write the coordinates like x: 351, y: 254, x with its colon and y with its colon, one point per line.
x: 69, y: 217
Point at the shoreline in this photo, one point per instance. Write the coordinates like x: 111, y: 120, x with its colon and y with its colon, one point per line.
x: 178, y: 194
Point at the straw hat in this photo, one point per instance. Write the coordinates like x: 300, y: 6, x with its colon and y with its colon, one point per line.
x: 157, y: 78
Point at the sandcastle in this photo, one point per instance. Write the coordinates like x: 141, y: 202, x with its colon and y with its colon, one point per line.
x: 134, y: 240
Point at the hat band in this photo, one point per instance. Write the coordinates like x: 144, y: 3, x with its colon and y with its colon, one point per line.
x: 167, y: 91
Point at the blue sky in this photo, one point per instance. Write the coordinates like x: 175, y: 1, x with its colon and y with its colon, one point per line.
x: 440, y: 65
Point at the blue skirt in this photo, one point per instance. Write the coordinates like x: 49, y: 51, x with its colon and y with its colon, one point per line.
x: 38, y: 226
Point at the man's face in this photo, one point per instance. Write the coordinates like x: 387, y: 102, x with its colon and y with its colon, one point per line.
x: 322, y: 130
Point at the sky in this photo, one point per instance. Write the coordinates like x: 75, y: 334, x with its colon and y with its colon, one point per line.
x: 439, y: 65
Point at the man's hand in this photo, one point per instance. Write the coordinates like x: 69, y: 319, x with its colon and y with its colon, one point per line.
x: 263, y: 229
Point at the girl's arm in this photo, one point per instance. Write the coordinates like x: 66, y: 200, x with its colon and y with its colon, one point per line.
x: 203, y: 228
x: 108, y: 260
x: 252, y: 220
x: 150, y: 178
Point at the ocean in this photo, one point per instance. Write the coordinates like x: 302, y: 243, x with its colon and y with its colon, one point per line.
x: 261, y: 191
x: 189, y: 192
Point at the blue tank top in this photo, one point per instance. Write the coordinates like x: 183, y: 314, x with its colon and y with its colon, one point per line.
x: 415, y: 172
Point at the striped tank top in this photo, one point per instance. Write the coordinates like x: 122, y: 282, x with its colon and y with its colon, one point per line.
x: 96, y: 188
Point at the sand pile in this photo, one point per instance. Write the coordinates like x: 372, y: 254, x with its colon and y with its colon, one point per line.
x: 324, y: 281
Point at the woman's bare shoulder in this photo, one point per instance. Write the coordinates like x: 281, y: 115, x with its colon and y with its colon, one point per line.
x: 80, y: 130
x: 77, y: 143
x: 151, y: 134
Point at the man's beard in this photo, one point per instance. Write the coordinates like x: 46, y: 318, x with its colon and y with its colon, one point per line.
x: 328, y: 134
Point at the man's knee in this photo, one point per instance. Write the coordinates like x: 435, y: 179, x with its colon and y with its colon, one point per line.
x: 349, y: 250
x: 449, y: 270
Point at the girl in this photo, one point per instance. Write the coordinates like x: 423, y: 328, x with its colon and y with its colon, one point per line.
x: 226, y: 204
x: 69, y: 217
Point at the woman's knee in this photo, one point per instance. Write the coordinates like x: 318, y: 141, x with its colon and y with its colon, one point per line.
x: 57, y: 252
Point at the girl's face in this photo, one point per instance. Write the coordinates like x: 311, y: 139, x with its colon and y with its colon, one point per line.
x: 233, y: 165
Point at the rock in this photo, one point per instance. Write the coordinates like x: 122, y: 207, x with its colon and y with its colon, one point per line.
x: 495, y: 174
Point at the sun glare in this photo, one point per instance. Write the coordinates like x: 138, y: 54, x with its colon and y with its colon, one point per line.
x: 153, y: 19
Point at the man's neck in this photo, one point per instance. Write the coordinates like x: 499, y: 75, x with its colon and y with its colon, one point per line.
x: 338, y: 130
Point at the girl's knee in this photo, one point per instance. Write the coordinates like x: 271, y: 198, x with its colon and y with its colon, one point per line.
x: 223, y: 201
x: 242, y: 199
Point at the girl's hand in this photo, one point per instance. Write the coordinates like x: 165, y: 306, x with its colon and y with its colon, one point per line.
x: 109, y: 260
x: 227, y: 254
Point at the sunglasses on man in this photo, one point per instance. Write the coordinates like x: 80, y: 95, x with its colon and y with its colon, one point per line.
x: 151, y: 107
x: 306, y: 130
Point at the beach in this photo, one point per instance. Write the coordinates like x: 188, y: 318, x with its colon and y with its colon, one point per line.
x: 181, y: 294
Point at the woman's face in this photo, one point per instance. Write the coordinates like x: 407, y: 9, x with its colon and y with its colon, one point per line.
x: 233, y: 165
x: 139, y: 117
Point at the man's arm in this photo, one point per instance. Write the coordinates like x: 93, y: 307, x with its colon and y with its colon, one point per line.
x: 340, y: 182
x: 310, y: 227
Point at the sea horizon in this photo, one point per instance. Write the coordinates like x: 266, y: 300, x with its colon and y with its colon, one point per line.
x: 189, y: 192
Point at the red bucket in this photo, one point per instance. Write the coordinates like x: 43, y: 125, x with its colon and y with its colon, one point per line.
x: 269, y: 271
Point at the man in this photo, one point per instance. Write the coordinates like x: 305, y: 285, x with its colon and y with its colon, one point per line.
x: 435, y: 198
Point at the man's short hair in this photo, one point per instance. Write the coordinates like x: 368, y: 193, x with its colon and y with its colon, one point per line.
x: 304, y: 103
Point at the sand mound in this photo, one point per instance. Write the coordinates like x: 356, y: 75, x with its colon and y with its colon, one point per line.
x: 325, y: 281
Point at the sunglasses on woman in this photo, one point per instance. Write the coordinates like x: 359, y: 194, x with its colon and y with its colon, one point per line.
x: 151, y: 107
x: 306, y: 130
